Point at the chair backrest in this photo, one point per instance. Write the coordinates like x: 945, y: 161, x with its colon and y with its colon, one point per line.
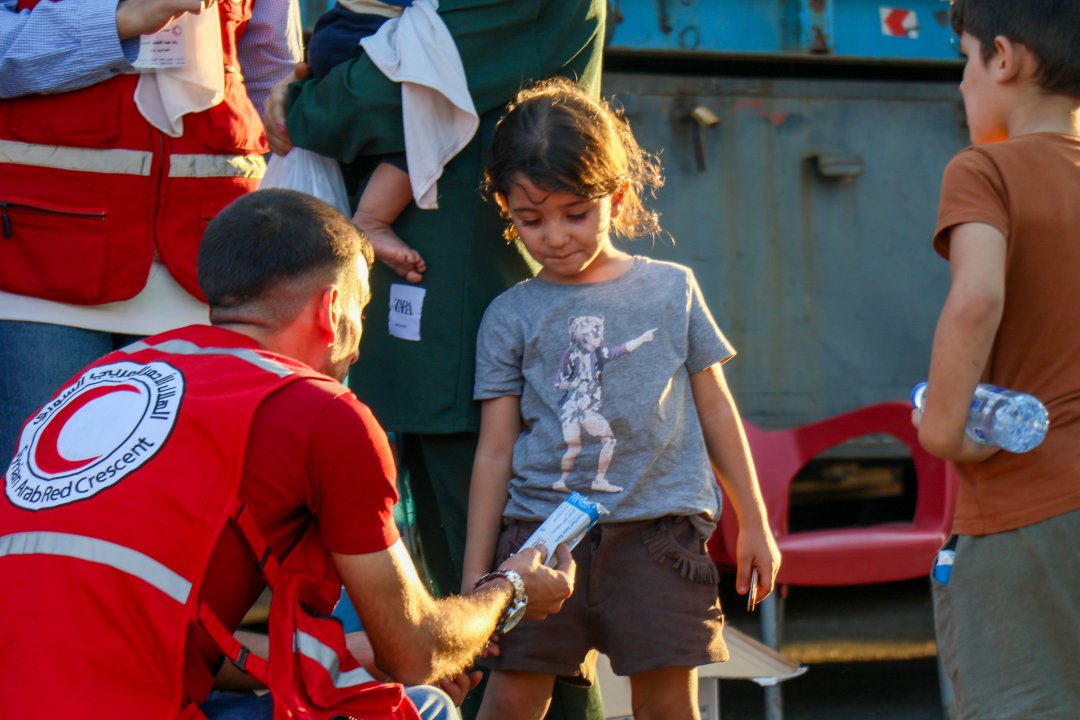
x: 779, y: 455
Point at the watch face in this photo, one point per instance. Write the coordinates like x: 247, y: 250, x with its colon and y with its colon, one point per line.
x: 514, y: 614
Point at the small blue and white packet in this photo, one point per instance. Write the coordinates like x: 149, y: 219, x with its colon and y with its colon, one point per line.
x: 574, y: 517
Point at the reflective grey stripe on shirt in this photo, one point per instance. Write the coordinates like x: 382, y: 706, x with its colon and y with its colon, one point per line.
x: 185, y: 347
x: 311, y: 647
x: 118, y: 161
x: 60, y: 157
x: 104, y: 552
x: 200, y: 166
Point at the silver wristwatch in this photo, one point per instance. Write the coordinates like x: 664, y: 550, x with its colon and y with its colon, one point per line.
x: 516, y: 610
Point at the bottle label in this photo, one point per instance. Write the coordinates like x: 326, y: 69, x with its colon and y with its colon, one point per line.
x: 943, y: 566
x: 943, y: 563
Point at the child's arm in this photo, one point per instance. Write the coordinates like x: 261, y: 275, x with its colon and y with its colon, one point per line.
x: 385, y: 196
x: 387, y: 193
x: 965, y: 333
x: 730, y: 455
x: 500, y: 424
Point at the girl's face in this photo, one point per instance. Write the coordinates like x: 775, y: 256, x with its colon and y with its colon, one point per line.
x: 566, y: 233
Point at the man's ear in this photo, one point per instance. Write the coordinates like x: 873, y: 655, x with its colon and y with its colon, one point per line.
x: 327, y: 313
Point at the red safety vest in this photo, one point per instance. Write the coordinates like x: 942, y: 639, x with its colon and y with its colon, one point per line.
x: 119, y: 491
x: 90, y: 192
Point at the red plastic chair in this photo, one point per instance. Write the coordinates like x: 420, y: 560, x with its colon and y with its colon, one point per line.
x: 843, y: 556
x: 849, y: 555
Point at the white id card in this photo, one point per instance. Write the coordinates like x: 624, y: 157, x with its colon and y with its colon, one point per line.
x: 165, y: 48
x: 406, y: 309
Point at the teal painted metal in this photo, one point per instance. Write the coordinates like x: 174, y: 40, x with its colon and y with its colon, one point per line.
x: 806, y: 208
x: 310, y: 10
x: 814, y: 26
x: 859, y: 30
x: 912, y: 30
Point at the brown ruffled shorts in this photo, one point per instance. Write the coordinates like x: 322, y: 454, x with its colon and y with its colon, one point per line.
x: 645, y: 596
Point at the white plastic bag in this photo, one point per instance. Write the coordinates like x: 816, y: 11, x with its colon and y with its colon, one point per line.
x: 311, y: 173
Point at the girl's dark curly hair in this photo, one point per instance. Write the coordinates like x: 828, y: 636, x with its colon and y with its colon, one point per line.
x: 565, y: 141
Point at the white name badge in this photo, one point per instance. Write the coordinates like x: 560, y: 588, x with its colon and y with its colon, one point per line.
x: 406, y: 309
x: 165, y: 48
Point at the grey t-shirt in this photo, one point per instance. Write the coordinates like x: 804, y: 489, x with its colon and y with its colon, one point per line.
x: 605, y: 367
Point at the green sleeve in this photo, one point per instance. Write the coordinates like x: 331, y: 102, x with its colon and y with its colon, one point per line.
x: 504, y: 45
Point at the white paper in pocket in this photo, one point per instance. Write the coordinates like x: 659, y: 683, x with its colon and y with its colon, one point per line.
x: 406, y: 309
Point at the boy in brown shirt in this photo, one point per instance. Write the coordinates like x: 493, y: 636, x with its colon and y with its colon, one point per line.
x: 1008, y: 621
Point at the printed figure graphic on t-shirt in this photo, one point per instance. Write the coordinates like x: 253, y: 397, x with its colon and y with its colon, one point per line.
x: 581, y: 380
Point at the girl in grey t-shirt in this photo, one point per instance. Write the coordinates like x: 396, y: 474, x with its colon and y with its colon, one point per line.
x: 602, y: 375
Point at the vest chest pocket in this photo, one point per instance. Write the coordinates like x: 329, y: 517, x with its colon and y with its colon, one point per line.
x: 35, y: 239
x: 68, y: 241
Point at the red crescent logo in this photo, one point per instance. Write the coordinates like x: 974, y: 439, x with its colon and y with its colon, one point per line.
x: 46, y: 454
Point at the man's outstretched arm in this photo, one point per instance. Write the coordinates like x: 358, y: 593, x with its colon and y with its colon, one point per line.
x: 419, y: 639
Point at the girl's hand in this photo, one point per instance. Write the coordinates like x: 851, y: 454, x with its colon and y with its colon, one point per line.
x: 757, y: 551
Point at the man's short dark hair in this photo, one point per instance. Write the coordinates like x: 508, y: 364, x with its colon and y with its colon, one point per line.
x: 1050, y: 29
x: 271, y: 238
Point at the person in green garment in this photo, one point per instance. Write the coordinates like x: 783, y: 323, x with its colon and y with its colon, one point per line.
x: 416, y: 368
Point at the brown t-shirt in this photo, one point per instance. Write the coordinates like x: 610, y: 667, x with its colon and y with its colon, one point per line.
x: 1028, y: 188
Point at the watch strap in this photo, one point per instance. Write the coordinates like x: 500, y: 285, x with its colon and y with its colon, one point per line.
x: 518, y: 600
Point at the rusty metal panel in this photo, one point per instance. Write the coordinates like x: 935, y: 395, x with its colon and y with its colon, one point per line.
x: 806, y: 209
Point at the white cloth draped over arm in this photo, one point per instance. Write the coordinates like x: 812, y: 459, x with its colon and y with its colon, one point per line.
x: 165, y: 95
x: 438, y: 114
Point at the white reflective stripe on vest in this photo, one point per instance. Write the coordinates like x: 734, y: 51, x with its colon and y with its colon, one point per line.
x: 60, y: 157
x: 185, y: 347
x: 104, y: 552
x: 203, y: 166
x: 311, y: 647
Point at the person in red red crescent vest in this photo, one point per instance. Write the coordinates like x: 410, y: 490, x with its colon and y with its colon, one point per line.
x: 101, y: 211
x: 153, y: 496
x: 92, y: 190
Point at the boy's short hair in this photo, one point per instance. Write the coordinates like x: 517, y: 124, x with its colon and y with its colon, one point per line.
x: 268, y: 239
x: 1050, y: 29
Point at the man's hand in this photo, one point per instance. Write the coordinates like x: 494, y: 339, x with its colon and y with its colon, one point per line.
x: 143, y: 17
x: 458, y: 687
x: 547, y: 588
x: 274, y: 111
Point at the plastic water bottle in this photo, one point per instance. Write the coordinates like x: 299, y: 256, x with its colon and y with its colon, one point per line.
x: 1013, y: 421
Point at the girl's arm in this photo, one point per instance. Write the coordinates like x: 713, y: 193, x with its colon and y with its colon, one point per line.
x: 729, y: 452
x: 500, y: 425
